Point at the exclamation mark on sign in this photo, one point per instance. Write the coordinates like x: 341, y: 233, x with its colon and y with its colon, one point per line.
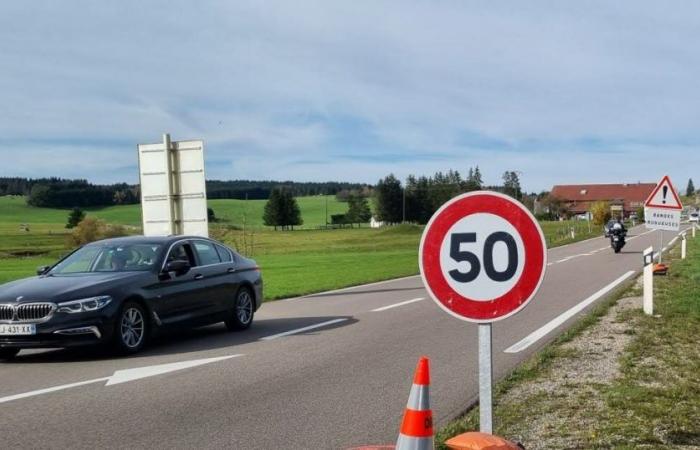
x: 665, y: 190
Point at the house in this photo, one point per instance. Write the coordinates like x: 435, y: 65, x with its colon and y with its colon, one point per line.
x: 578, y: 198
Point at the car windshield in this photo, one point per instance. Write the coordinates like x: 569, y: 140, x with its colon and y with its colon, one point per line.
x: 109, y: 258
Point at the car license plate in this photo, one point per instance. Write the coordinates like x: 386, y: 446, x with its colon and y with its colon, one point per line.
x: 17, y: 330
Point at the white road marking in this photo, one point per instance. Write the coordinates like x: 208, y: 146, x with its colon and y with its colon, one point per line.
x: 554, y: 323
x: 49, y: 390
x: 301, y: 330
x: 122, y: 376
x: 396, y: 305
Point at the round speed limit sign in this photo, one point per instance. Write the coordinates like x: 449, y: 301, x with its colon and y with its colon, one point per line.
x: 482, y: 256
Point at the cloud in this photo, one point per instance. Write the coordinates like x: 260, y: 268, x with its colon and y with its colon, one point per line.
x: 313, y: 90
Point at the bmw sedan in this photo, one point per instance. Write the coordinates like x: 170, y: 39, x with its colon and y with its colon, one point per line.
x: 121, y: 291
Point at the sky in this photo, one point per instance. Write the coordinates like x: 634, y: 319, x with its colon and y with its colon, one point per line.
x: 562, y: 92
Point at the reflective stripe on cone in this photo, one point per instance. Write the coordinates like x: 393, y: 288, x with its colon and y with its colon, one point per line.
x: 417, y: 425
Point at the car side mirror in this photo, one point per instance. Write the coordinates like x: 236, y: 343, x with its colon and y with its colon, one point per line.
x: 180, y: 267
x: 43, y: 270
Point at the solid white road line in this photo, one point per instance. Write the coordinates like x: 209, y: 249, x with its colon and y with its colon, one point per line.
x: 554, y: 323
x: 396, y: 305
x: 49, y: 390
x: 123, y: 376
x: 301, y: 330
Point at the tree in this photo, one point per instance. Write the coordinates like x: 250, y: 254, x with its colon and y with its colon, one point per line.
x: 358, y: 210
x: 75, y: 216
x: 389, y: 198
x: 92, y: 229
x: 211, y: 217
x: 600, y: 212
x: 511, y: 185
x: 272, y: 213
x: 690, y: 190
x: 291, y: 215
x: 282, y: 210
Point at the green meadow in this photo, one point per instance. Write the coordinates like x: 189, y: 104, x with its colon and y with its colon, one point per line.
x: 296, y: 262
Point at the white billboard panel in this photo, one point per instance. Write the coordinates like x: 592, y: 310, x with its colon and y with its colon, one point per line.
x: 173, y: 190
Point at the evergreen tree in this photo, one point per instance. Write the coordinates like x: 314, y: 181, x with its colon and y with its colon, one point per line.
x: 690, y: 190
x: 273, y: 209
x: 477, y: 178
x: 389, y: 196
x: 358, y: 210
x: 291, y: 215
x: 511, y: 185
x: 75, y: 217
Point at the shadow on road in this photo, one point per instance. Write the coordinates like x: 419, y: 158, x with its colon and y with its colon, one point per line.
x: 192, y: 340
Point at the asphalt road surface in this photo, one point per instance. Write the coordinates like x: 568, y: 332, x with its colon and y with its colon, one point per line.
x: 333, y: 386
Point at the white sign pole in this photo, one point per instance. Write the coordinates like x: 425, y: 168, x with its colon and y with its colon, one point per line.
x: 683, y: 246
x: 485, y: 379
x: 661, y: 245
x: 649, y: 281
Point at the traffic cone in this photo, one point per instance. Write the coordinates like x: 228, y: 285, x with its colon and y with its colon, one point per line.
x: 417, y: 425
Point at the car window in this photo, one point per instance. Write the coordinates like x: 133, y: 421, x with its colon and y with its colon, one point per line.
x: 224, y: 253
x: 109, y: 258
x: 207, y: 253
x: 181, y: 252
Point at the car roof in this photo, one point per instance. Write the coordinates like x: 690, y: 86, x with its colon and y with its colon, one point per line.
x: 161, y: 240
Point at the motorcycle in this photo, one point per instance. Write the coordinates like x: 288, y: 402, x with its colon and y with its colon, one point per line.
x: 617, y: 239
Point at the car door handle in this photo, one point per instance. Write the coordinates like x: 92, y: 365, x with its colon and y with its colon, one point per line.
x: 199, y: 276
x: 231, y: 270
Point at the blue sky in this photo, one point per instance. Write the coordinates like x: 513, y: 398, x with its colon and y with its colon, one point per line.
x: 564, y: 92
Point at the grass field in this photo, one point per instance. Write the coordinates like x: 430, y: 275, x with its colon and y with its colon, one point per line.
x: 14, y: 211
x: 294, y: 262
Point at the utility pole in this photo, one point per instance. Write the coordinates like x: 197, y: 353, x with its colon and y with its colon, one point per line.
x: 403, y: 215
x: 326, y: 210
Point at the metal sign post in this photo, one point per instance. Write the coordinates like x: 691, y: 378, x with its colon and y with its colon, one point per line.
x: 482, y: 258
x: 485, y: 379
x: 648, y: 299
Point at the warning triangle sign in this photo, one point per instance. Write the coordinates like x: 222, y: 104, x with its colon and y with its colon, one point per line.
x: 664, y: 196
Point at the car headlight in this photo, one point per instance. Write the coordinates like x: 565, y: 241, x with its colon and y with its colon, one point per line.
x: 84, y: 304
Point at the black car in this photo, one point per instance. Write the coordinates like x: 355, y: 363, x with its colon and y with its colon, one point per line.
x: 120, y: 291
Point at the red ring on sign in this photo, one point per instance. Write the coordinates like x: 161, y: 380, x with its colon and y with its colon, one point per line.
x: 533, y: 268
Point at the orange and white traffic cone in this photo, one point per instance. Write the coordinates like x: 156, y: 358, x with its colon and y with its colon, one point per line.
x: 417, y: 425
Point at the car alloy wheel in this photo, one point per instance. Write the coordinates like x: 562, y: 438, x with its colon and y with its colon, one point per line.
x: 242, y: 316
x: 132, y: 328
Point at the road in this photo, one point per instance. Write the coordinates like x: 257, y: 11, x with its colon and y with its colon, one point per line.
x: 336, y: 386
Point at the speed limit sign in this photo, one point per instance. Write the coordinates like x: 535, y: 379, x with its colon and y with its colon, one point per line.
x: 482, y: 256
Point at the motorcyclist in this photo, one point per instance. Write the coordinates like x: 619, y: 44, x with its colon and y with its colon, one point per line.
x: 619, y: 227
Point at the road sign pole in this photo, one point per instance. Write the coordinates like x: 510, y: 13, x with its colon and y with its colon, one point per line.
x: 683, y: 246
x: 485, y: 379
x: 648, y: 282
x: 661, y: 245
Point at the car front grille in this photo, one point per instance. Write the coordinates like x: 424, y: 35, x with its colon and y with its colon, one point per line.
x: 27, y: 312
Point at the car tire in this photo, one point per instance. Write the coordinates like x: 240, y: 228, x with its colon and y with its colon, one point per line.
x: 132, y: 328
x: 243, y: 311
x: 8, y: 353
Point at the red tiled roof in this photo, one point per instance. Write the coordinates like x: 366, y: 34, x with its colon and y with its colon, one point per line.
x: 580, y: 196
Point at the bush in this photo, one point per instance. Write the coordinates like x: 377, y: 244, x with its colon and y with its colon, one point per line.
x: 92, y: 229
x: 600, y: 212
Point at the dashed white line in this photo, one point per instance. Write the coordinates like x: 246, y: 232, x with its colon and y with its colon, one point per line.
x: 396, y: 305
x: 557, y: 321
x: 301, y: 330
